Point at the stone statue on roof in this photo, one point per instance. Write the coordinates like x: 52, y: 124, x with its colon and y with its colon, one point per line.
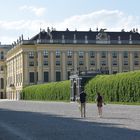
x: 102, y: 30
x: 102, y: 35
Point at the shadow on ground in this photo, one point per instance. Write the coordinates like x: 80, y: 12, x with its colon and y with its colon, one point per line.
x: 42, y: 126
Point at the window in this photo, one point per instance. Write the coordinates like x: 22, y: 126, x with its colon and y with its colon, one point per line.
x: 68, y: 74
x: 125, y: 54
x: 45, y: 54
x: 92, y: 63
x: 1, y: 95
x: 2, y: 83
x: 45, y: 63
x: 136, y: 63
x: 31, y: 54
x: 2, y: 55
x: 36, y: 76
x: 46, y: 76
x: 31, y: 63
x: 114, y: 54
x: 136, y: 55
x: 57, y: 63
x: 103, y: 54
x: 31, y: 77
x: 69, y: 54
x: 81, y: 54
x: 125, y: 63
x: 58, y: 54
x: 1, y: 68
x: 92, y: 54
x: 103, y: 63
x: 58, y: 76
x: 114, y: 63
x: 81, y: 62
x: 69, y: 63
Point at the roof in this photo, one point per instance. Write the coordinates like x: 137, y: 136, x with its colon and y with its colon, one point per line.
x: 80, y: 35
x: 5, y: 46
x: 84, y: 37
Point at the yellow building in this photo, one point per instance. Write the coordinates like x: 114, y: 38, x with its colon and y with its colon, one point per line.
x: 52, y: 55
x: 3, y: 52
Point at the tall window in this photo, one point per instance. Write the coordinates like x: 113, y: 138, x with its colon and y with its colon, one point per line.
x: 2, y: 83
x: 69, y: 63
x: 114, y: 54
x: 45, y: 63
x: 57, y: 63
x: 136, y: 55
x: 103, y: 63
x: 136, y: 63
x: 2, y: 55
x: 92, y: 63
x: 31, y: 63
x: 58, y: 53
x: 31, y: 54
x: 81, y: 54
x: 125, y: 63
x: 92, y: 54
x: 46, y: 76
x: 45, y: 54
x: 31, y: 77
x: 103, y: 54
x: 68, y: 74
x: 69, y: 54
x: 1, y: 68
x: 58, y: 76
x: 114, y: 63
x: 81, y: 62
x: 125, y: 54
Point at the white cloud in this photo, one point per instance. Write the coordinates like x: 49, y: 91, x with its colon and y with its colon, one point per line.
x: 38, y: 11
x: 112, y: 20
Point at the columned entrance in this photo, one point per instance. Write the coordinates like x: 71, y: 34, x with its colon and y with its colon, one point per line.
x: 78, y: 81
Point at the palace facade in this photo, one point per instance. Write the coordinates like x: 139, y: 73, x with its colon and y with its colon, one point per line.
x: 51, y: 56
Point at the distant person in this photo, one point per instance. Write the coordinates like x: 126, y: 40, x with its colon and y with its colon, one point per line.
x: 83, y: 104
x: 99, y: 101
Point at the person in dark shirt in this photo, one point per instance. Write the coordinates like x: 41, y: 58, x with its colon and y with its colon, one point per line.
x: 83, y: 104
x: 99, y: 100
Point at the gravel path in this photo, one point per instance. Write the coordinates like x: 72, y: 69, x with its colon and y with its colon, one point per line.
x: 34, y: 120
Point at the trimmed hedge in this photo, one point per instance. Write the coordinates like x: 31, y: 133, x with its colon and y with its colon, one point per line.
x: 51, y: 91
x: 122, y: 87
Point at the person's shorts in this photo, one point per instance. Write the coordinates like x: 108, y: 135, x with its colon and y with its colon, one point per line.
x: 99, y: 104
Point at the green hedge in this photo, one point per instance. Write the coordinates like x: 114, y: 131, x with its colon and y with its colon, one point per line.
x: 50, y: 91
x: 122, y: 87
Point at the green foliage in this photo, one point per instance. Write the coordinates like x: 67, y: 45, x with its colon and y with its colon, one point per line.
x: 122, y: 87
x: 51, y: 91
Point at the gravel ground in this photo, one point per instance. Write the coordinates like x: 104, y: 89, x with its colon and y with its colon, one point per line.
x: 34, y: 120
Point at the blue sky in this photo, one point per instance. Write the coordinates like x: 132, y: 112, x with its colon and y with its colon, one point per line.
x: 28, y: 16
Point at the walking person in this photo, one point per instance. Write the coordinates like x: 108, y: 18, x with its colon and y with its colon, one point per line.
x: 83, y: 104
x: 99, y: 101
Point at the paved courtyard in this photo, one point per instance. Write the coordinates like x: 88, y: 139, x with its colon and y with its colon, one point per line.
x: 34, y: 120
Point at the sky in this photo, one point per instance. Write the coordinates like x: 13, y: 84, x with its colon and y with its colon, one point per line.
x: 27, y: 17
